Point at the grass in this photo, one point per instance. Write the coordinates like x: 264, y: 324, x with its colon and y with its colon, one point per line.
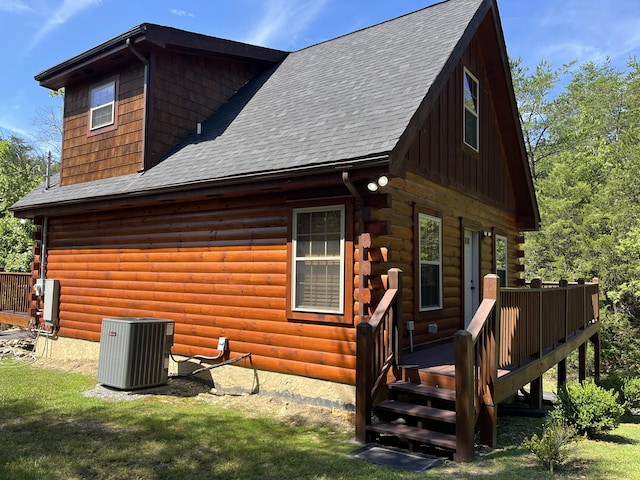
x: 48, y: 429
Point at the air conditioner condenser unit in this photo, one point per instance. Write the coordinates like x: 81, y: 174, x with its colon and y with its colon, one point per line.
x: 134, y: 352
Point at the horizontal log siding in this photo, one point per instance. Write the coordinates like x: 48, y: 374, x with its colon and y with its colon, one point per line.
x: 455, y: 209
x: 112, y: 153
x: 216, y: 270
x: 186, y: 90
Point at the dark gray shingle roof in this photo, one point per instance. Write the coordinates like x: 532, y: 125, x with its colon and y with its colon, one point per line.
x: 348, y: 98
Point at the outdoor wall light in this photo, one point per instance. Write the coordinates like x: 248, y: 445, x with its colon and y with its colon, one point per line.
x: 374, y: 185
x: 487, y: 234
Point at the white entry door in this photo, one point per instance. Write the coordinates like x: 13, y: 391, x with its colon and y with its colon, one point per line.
x: 471, y: 275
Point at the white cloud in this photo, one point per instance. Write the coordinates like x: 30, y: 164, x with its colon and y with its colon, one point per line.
x: 14, y: 6
x: 181, y: 13
x: 61, y: 14
x: 284, y: 20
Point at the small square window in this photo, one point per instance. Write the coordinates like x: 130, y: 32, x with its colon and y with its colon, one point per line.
x: 103, y: 99
x: 471, y: 110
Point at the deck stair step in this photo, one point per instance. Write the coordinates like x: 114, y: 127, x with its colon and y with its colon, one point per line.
x: 417, y: 411
x: 416, y: 434
x: 423, y: 390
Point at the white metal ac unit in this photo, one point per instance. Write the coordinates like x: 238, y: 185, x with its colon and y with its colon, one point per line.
x: 134, y: 352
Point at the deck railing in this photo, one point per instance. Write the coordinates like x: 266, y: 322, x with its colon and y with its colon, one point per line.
x: 537, y: 319
x: 15, y: 292
x: 512, y: 326
x: 476, y: 372
x: 378, y: 350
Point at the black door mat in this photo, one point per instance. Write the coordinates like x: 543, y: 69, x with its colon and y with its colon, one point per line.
x: 400, y: 459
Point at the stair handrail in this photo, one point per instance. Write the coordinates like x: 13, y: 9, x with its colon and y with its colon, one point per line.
x: 377, y: 350
x: 476, y: 370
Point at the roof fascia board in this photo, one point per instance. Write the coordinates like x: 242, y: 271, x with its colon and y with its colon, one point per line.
x: 162, y: 37
x: 535, y: 217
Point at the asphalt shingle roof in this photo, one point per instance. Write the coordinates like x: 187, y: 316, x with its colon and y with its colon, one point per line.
x: 347, y: 98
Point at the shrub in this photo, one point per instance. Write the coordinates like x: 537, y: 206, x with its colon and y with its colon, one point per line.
x: 631, y: 392
x: 550, y: 448
x: 611, y: 382
x: 590, y: 408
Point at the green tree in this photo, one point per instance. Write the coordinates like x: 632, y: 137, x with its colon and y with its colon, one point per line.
x: 589, y: 196
x: 20, y: 171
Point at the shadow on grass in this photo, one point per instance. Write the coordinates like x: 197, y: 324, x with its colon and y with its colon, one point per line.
x: 153, y: 440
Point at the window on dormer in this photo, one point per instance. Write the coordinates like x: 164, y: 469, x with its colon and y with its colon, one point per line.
x: 471, y: 127
x: 103, y: 100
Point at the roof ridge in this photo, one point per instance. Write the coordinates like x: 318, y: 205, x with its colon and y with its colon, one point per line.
x: 369, y: 27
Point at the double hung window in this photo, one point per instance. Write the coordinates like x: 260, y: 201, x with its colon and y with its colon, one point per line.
x: 102, y: 108
x: 318, y: 244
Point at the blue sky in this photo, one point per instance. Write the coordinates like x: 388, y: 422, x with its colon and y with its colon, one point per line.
x: 38, y: 34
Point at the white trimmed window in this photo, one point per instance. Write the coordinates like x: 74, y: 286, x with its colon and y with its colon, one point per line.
x: 501, y: 259
x: 103, y: 100
x: 430, y: 262
x: 471, y: 124
x: 318, y: 259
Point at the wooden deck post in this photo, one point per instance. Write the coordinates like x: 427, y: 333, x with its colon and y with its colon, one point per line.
x: 489, y: 411
x: 399, y: 325
x: 536, y: 386
x: 582, y: 362
x: 562, y: 372
x: 595, y: 339
x: 364, y: 379
x: 465, y: 411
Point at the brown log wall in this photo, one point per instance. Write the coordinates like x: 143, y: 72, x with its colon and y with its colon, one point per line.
x: 457, y: 211
x: 215, y: 269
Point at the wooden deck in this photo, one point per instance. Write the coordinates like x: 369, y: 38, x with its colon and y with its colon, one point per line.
x: 516, y: 335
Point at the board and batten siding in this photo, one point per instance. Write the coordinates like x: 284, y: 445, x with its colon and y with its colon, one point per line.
x: 110, y: 153
x: 216, y: 269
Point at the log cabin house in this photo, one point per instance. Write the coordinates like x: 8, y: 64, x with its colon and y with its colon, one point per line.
x: 332, y: 211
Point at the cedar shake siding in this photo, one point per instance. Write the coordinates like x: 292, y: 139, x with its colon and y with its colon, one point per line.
x: 186, y: 89
x: 88, y: 156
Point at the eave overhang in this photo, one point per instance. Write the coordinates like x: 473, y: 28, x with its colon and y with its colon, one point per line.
x: 147, y: 37
x: 361, y: 169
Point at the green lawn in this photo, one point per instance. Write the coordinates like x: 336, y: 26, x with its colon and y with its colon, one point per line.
x: 49, y: 430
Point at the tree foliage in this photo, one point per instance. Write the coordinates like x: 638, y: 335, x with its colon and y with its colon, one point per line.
x: 21, y: 170
x: 587, y: 158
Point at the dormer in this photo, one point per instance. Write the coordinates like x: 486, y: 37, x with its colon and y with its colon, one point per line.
x: 130, y: 100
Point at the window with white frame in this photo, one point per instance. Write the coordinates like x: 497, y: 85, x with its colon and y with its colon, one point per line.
x: 103, y: 100
x: 471, y: 127
x: 501, y: 259
x: 318, y: 259
x: 430, y: 262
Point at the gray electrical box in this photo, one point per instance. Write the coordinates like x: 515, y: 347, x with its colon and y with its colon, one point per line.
x: 134, y: 352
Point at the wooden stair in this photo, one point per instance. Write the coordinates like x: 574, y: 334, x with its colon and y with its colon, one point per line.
x: 418, y: 414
